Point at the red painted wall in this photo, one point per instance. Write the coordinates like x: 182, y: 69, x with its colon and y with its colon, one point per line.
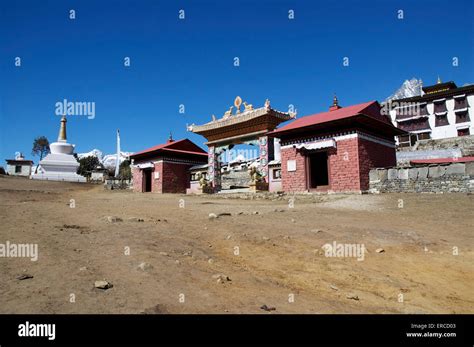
x: 344, y: 166
x: 157, y: 184
x: 175, y: 178
x: 373, y: 155
x: 294, y: 181
x: 349, y: 165
x: 137, y: 179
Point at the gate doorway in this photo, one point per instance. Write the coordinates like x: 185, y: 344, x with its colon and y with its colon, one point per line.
x: 146, y: 181
x: 318, y: 170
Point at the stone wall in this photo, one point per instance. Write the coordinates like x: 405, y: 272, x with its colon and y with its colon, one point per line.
x: 448, y: 178
x: 112, y: 184
x: 235, y: 179
x: 465, y: 143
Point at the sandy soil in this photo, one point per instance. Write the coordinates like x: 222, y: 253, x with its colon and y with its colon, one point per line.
x: 280, y: 255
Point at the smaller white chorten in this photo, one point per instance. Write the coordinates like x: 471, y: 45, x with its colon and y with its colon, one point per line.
x: 60, y: 164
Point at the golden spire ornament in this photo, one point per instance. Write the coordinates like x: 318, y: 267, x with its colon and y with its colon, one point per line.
x: 439, y: 80
x: 237, y: 103
x: 62, y: 130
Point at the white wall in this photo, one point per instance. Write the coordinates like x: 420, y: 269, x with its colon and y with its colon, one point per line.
x: 446, y: 130
x: 25, y: 170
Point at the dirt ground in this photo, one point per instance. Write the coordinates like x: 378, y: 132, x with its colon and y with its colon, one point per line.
x: 266, y: 252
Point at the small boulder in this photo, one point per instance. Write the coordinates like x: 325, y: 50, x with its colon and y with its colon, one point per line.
x: 145, y: 266
x: 267, y: 308
x: 220, y: 278
x: 103, y: 285
x: 212, y: 216
x: 352, y: 297
x: 113, y: 219
x: 380, y: 250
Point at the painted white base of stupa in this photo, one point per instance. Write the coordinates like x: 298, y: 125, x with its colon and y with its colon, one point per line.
x: 59, y: 165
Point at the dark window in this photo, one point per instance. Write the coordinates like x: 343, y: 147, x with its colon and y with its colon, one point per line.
x: 415, y: 124
x: 404, y: 141
x: 423, y: 110
x: 462, y: 117
x: 440, y: 107
x: 424, y: 136
x: 276, y: 174
x: 410, y: 140
x: 463, y: 132
x: 18, y: 169
x: 441, y: 120
x: 460, y: 103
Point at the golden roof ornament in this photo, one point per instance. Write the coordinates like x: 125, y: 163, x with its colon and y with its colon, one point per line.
x: 439, y: 80
x: 334, y: 100
x: 248, y: 107
x: 62, y: 130
x: 228, y: 113
x: 237, y: 103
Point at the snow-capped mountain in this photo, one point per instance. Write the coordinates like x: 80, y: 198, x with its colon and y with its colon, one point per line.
x: 408, y: 89
x: 94, y: 153
x: 108, y: 160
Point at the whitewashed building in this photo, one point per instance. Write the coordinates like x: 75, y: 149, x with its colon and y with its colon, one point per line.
x: 442, y: 110
x: 19, y: 166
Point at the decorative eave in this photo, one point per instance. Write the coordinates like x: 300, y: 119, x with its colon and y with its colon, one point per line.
x: 242, y: 118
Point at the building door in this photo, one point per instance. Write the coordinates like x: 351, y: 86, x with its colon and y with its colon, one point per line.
x: 146, y: 181
x: 318, y: 170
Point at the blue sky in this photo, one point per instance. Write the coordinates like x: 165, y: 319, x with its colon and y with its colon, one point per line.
x: 190, y: 61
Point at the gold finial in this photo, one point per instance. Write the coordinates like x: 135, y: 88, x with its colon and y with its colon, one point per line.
x: 237, y: 103
x: 334, y: 100
x: 248, y: 107
x: 439, y: 80
x: 62, y: 130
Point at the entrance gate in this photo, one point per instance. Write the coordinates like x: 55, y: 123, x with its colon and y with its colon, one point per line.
x: 247, y: 126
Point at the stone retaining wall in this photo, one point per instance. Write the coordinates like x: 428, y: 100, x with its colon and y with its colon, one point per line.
x: 235, y: 179
x: 449, y: 178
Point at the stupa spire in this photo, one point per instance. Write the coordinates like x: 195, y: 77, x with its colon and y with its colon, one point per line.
x: 62, y: 130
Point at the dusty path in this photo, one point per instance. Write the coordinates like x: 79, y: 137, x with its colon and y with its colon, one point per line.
x: 279, y: 252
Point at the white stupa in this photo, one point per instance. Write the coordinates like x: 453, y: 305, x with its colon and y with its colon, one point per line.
x: 60, y: 164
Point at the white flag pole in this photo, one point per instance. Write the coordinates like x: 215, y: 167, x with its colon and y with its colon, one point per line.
x: 117, y: 162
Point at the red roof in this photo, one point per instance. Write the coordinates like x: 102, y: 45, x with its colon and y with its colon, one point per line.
x: 183, y: 146
x: 371, y: 109
x: 442, y: 160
